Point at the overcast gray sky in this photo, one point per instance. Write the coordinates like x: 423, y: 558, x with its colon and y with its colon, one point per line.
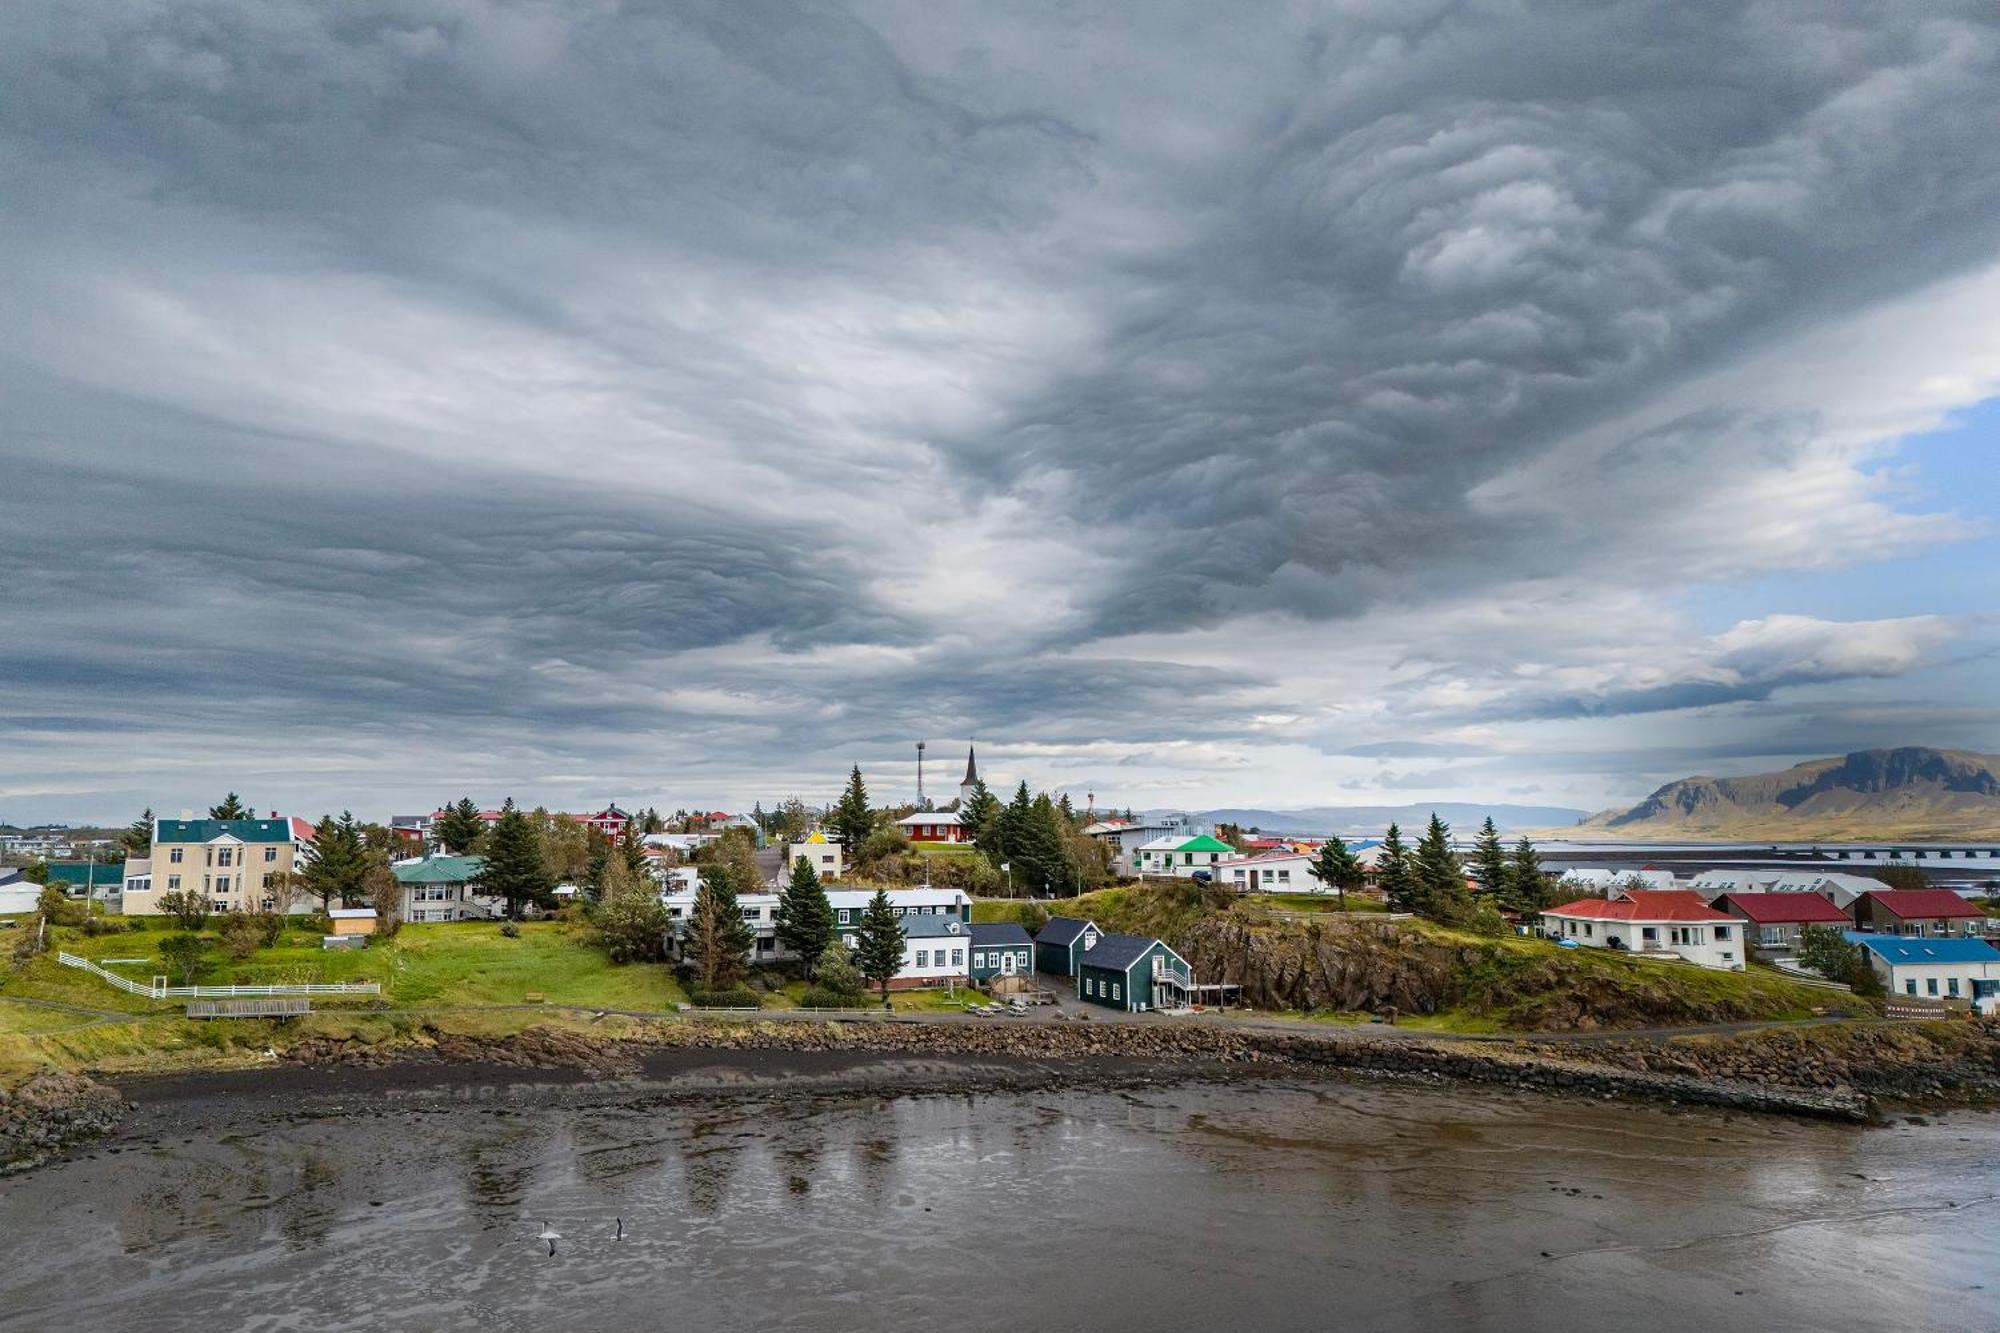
x: 1253, y: 404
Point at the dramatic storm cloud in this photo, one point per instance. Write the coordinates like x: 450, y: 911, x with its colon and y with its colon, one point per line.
x: 1280, y: 404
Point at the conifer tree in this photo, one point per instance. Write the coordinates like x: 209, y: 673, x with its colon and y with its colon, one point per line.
x: 337, y: 868
x: 718, y: 942
x: 515, y: 871
x: 1336, y: 867
x: 461, y: 828
x: 879, y: 943
x: 851, y: 817
x: 231, y: 808
x: 1527, y: 888
x: 1440, y: 879
x: 805, y: 915
x: 1489, y: 860
x: 1040, y: 861
x: 138, y: 839
x: 980, y: 814
x: 1393, y: 874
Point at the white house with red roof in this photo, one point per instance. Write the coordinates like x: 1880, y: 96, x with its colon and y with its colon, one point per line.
x: 1651, y: 922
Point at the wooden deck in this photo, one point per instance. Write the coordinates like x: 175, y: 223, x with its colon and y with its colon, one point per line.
x: 272, y: 1006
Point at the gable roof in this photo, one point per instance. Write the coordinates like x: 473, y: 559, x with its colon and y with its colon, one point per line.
x: 244, y: 830
x: 1261, y: 858
x: 439, y: 870
x: 931, y: 926
x: 1063, y: 930
x: 1204, y: 843
x: 1908, y: 949
x: 930, y: 817
x: 1781, y: 909
x: 1642, y: 905
x: 1922, y: 904
x: 988, y: 934
x: 1117, y: 953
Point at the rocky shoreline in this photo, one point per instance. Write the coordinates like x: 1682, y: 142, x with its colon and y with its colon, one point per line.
x: 1846, y: 1073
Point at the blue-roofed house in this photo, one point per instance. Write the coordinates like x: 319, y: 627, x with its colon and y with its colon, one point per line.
x: 1935, y: 969
x: 1000, y: 949
x: 1061, y: 942
x: 1134, y: 973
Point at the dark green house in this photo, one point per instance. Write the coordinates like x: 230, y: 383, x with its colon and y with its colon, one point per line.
x: 1134, y: 972
x: 1000, y: 949
x: 1063, y: 940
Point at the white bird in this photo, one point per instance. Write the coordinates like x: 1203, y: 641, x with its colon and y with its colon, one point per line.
x: 551, y: 1235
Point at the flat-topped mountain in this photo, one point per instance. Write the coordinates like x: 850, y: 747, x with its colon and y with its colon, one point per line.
x: 1907, y: 792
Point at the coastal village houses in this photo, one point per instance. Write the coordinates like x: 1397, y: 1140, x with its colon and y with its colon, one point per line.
x: 934, y: 951
x: 1926, y: 913
x: 1772, y: 921
x: 1273, y: 872
x: 1062, y: 943
x: 934, y: 826
x: 760, y: 912
x: 1651, y: 922
x: 825, y: 855
x: 1134, y: 973
x: 1941, y: 969
x: 439, y: 888
x: 236, y: 864
x: 1000, y: 949
x: 1181, y: 858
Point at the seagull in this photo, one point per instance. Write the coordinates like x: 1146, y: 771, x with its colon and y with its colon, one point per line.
x: 621, y: 1230
x: 551, y: 1235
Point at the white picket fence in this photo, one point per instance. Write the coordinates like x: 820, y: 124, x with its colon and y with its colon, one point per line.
x: 159, y: 990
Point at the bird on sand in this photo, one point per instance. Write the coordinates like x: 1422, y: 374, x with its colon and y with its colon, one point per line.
x: 551, y: 1235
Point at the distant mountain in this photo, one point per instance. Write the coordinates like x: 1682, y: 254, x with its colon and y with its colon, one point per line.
x: 1910, y: 792
x: 1464, y: 817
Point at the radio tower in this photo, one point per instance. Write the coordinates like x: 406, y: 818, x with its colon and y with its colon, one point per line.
x: 920, y: 777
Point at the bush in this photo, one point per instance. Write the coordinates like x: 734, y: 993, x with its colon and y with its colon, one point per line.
x: 239, y: 935
x: 135, y: 924
x: 818, y: 997
x: 510, y: 930
x: 737, y: 997
x: 97, y: 925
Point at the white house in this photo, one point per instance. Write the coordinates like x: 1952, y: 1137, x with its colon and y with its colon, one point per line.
x: 936, y: 949
x: 1935, y: 969
x: 1126, y: 837
x: 1659, y: 923
x: 440, y: 888
x: 1274, y: 872
x: 760, y: 911
x: 1180, y: 857
x: 822, y: 853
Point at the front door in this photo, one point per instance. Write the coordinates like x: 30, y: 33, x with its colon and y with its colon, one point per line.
x: 1253, y: 880
x: 1007, y: 963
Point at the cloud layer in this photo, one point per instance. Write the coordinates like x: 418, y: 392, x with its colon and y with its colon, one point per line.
x: 682, y: 401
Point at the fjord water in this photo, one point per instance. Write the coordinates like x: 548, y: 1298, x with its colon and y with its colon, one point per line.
x: 1216, y: 1207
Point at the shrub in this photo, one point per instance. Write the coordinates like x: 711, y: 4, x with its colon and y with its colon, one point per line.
x: 818, y: 997
x: 510, y: 930
x: 239, y: 935
x: 736, y: 997
x: 135, y: 924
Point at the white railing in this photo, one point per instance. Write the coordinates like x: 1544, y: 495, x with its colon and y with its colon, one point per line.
x: 159, y: 990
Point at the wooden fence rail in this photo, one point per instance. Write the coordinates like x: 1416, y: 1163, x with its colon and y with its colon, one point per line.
x: 159, y: 990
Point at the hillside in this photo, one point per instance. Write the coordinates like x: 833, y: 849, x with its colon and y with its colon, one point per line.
x: 1910, y: 792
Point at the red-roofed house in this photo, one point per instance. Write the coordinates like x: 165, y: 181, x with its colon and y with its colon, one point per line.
x: 1926, y: 913
x: 1651, y: 921
x: 610, y: 821
x: 1773, y: 920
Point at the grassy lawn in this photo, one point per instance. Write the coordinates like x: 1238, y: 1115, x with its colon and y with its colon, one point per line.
x: 18, y: 1018
x: 451, y: 963
x: 902, y: 1001
x: 1319, y: 902
x: 944, y: 848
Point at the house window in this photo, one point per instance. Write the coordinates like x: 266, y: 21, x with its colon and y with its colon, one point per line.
x: 175, y: 856
x: 1910, y: 986
x: 1284, y: 877
x: 265, y: 882
x: 1117, y: 991
x: 222, y: 856
x: 958, y: 958
x: 923, y: 958
x: 1649, y: 933
x: 843, y: 916
x: 1951, y: 987
x: 1722, y: 932
x: 978, y: 958
x: 270, y: 853
x: 173, y: 881
x: 1930, y: 985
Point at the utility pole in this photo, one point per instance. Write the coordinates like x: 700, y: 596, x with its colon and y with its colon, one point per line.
x: 920, y: 777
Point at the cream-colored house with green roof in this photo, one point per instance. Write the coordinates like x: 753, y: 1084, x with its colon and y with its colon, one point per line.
x: 237, y: 865
x: 440, y: 888
x: 1181, y: 858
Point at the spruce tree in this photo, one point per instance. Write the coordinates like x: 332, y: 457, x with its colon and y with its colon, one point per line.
x: 851, y: 817
x: 1440, y: 879
x: 980, y: 813
x: 1527, y: 889
x: 1393, y: 874
x: 1489, y: 860
x: 138, y: 839
x: 515, y: 871
x: 1041, y: 860
x: 231, y: 808
x: 805, y: 915
x: 1011, y: 826
x: 338, y: 866
x: 879, y: 943
x: 460, y: 828
x: 1335, y: 867
x: 718, y: 942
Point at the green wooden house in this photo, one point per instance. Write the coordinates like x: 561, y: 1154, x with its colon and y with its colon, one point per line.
x: 1000, y: 949
x: 1062, y: 941
x: 1134, y: 972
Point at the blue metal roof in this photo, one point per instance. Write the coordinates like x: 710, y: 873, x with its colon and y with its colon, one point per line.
x: 1061, y: 931
x: 989, y: 934
x: 1893, y: 949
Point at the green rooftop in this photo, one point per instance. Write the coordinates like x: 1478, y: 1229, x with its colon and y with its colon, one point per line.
x: 69, y: 873
x: 441, y: 870
x: 208, y: 830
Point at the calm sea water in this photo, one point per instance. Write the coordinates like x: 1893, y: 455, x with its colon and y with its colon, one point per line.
x: 1285, y: 1206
